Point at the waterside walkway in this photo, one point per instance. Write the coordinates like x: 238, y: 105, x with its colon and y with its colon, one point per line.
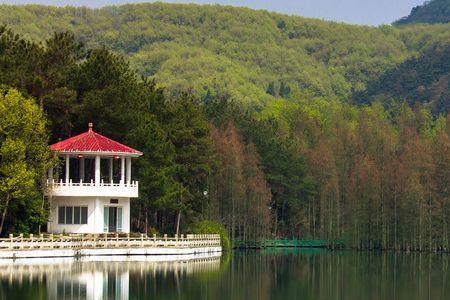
x: 93, y: 245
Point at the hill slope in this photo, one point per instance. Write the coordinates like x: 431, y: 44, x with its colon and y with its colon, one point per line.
x: 435, y: 11
x: 424, y: 79
x: 248, y: 53
x: 252, y: 56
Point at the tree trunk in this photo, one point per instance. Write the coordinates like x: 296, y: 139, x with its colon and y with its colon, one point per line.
x: 146, y: 219
x: 4, y: 214
x: 429, y: 223
x: 178, y: 221
x: 155, y: 219
x: 395, y: 220
x: 42, y: 209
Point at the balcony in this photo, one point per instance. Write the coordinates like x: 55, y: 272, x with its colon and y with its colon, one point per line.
x: 91, y: 189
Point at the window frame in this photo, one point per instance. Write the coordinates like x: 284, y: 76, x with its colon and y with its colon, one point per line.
x: 63, y: 211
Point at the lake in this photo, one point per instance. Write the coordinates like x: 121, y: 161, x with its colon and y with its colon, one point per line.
x: 265, y: 274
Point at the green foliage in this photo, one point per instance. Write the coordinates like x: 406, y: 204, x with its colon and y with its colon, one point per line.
x: 24, y: 160
x: 255, y: 57
x: 425, y: 79
x: 188, y: 132
x: 212, y: 227
x: 223, y: 48
x: 434, y: 11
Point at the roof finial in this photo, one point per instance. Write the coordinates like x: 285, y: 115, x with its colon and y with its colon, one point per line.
x: 90, y: 125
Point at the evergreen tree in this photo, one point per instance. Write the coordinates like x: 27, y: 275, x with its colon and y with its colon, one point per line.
x: 188, y: 131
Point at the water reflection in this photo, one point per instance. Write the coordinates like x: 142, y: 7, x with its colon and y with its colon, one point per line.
x: 269, y: 274
x: 93, y: 278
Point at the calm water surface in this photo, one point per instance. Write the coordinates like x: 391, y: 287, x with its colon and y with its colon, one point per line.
x: 269, y: 274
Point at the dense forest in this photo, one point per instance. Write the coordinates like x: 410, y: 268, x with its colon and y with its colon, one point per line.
x: 272, y: 125
x: 436, y: 11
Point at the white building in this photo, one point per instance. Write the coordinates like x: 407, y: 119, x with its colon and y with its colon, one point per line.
x: 93, y: 190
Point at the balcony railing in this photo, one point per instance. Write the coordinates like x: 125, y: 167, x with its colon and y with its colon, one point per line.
x: 106, y: 189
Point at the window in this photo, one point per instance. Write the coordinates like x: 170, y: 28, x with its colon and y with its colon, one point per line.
x: 72, y: 215
x: 71, y: 290
x: 76, y: 215
x: 62, y: 215
x: 84, y: 215
x: 69, y: 215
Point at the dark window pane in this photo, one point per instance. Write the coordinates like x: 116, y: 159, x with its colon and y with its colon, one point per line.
x: 76, y: 215
x: 69, y: 216
x: 61, y: 215
x: 83, y: 293
x: 84, y: 211
x: 60, y: 290
x: 76, y: 290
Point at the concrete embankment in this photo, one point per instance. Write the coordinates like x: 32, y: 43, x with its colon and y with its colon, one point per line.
x: 47, y: 253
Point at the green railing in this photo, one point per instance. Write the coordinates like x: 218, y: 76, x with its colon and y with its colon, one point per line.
x: 290, y: 243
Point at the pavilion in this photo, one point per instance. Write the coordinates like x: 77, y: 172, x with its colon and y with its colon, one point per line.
x: 92, y: 192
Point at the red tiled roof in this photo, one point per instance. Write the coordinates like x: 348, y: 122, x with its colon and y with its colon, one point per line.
x: 91, y: 141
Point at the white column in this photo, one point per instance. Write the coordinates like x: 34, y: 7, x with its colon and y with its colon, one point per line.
x: 128, y: 170
x: 111, y: 170
x: 97, y: 170
x: 82, y: 169
x: 125, y: 214
x: 97, y: 226
x: 125, y: 283
x: 67, y: 167
x: 122, y: 170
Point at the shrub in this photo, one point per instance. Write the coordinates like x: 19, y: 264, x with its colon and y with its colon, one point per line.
x: 212, y: 227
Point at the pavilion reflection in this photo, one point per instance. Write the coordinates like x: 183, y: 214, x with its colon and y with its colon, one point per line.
x: 99, y: 278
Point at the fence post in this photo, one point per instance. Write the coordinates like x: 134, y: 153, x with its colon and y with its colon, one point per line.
x: 154, y: 239
x: 106, y: 240
x: 21, y: 240
x: 51, y: 241
x: 11, y: 241
x: 117, y: 240
x: 31, y: 240
x: 142, y: 240
x: 128, y: 239
x: 165, y: 239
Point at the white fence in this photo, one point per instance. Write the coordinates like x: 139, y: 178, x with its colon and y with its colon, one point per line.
x: 95, y: 241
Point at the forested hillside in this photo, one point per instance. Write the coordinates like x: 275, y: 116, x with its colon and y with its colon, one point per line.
x: 434, y: 11
x: 253, y: 56
x: 259, y: 125
x: 425, y: 79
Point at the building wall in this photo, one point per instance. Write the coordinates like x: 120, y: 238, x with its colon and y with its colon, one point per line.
x: 95, y: 207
